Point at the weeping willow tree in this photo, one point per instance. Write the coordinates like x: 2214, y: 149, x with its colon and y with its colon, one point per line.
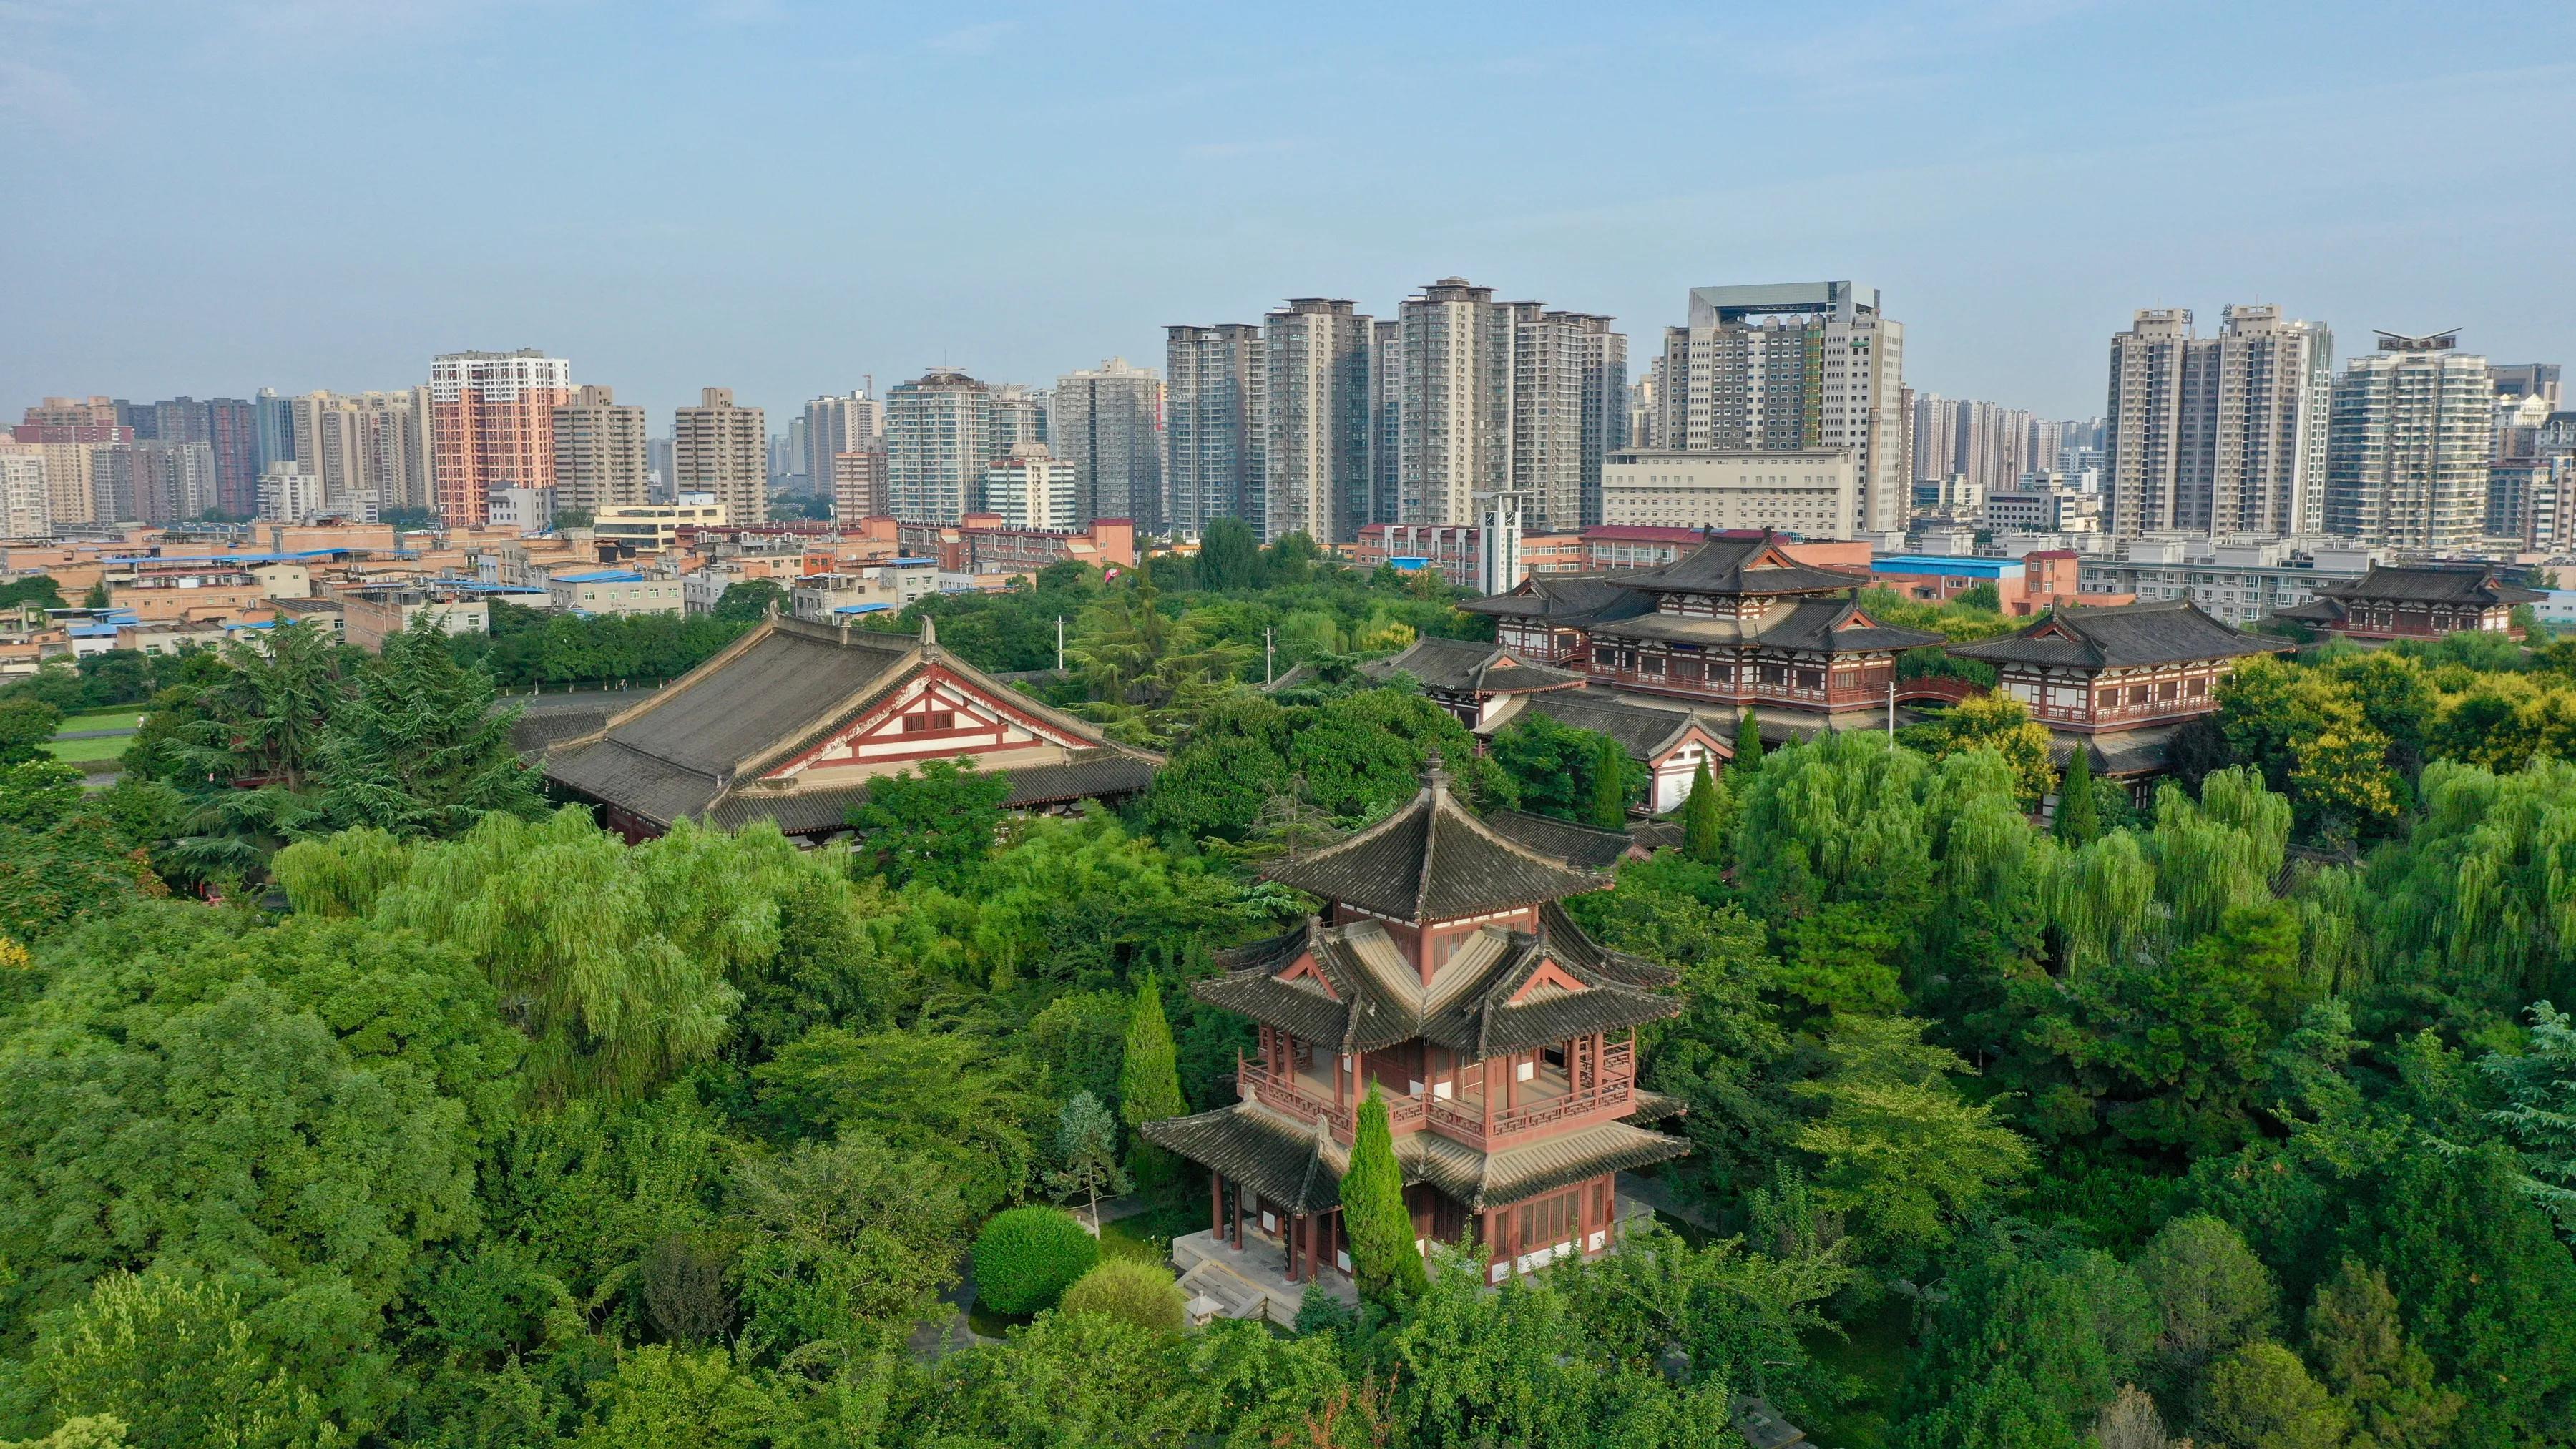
x: 2102, y: 899
x: 2483, y: 892
x: 2226, y: 850
x: 622, y: 966
x: 1832, y: 819
x: 1989, y: 862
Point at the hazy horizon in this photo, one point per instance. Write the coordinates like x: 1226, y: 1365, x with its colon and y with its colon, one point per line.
x: 781, y: 198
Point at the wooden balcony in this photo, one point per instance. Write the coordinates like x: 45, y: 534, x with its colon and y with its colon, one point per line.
x: 1542, y: 1102
x: 2124, y: 716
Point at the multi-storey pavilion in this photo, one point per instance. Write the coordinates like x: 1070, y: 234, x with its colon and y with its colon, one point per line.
x: 1737, y: 621
x: 1443, y: 973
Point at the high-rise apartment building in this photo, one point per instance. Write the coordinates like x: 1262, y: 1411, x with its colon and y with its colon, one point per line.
x: 599, y: 448
x: 1454, y: 434
x: 228, y: 428
x: 1386, y: 413
x: 859, y: 486
x: 1017, y: 420
x: 938, y: 437
x: 722, y: 449
x: 1794, y: 365
x: 272, y: 435
x: 1318, y: 460
x: 1107, y: 423
x: 1031, y: 489
x: 26, y: 507
x: 76, y: 412
x: 838, y: 423
x: 2413, y: 429
x: 1604, y: 359
x: 2221, y: 436
x: 1216, y: 425
x: 491, y: 426
x: 290, y: 493
x: 372, y: 443
x: 152, y: 481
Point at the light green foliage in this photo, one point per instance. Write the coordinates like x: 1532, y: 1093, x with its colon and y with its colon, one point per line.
x: 1149, y: 1080
x: 2261, y: 1397
x: 2002, y: 724
x: 2539, y: 1117
x: 2485, y: 889
x: 1142, y: 1294
x: 1384, y: 1260
x: 89, y: 1431
x: 174, y: 1362
x: 662, y: 1397
x: 416, y: 748
x: 306, y: 1101
x: 1025, y: 1258
x: 1743, y: 1317
x: 1896, y: 1146
x: 2211, y: 1291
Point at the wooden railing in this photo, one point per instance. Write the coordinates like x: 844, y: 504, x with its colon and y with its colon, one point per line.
x: 1407, y: 1112
x: 1283, y: 1092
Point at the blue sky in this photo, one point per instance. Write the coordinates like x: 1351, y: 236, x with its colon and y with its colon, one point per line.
x: 780, y: 197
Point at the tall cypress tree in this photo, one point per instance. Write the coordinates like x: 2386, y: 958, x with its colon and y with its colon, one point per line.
x: 1383, y: 1258
x: 1748, y: 744
x: 1610, y: 786
x: 1149, y: 1082
x: 1701, y: 815
x: 2079, y: 814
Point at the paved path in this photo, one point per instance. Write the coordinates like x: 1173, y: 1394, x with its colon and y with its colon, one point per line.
x: 951, y: 1331
x: 1656, y: 1195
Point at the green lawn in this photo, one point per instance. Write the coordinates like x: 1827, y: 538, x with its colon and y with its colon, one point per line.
x: 103, y: 719
x: 81, y: 752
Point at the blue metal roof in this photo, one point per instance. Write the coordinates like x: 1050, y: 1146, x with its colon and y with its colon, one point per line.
x: 862, y: 608
x: 1957, y: 565
x: 602, y: 576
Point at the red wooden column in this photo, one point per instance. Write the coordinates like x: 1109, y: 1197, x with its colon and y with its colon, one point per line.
x: 1216, y: 1202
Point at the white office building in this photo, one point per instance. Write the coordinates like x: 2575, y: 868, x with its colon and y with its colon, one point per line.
x: 1810, y: 491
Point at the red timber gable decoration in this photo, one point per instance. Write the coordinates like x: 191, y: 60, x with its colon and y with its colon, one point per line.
x: 933, y: 715
x: 1305, y: 970
x: 1549, y: 980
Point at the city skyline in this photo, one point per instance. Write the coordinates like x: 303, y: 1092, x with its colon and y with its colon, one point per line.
x: 1994, y: 228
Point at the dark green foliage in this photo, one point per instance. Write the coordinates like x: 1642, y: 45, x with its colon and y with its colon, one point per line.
x: 2079, y: 812
x: 1025, y: 1258
x: 61, y: 857
x: 1609, y: 786
x: 1149, y: 1081
x: 2028, y: 1342
x: 1229, y: 556
x: 416, y: 749
x: 1747, y: 758
x: 26, y: 723
x: 38, y: 590
x: 1562, y: 771
x: 753, y: 600
x: 1383, y: 1258
x: 1703, y: 818
x: 932, y: 825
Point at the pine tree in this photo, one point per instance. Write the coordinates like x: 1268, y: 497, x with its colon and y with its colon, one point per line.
x: 1702, y: 816
x: 418, y: 749
x: 2079, y: 815
x: 1149, y: 1083
x: 1748, y: 745
x: 1610, y: 786
x: 1383, y: 1256
x: 2360, y: 1353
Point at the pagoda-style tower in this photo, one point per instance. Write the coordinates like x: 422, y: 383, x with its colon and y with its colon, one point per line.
x: 1501, y: 1037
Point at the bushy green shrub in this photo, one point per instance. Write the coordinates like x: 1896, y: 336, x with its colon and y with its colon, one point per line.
x: 1130, y: 1291
x: 1025, y: 1258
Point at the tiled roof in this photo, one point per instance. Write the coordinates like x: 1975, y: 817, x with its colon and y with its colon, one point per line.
x: 2434, y: 584
x: 1645, y: 730
x: 1568, y: 601
x: 1468, y: 666
x: 1735, y: 566
x: 784, y: 686
x: 1580, y: 846
x: 1824, y: 626
x: 1294, y: 1165
x: 2117, y: 636
x: 1432, y: 860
